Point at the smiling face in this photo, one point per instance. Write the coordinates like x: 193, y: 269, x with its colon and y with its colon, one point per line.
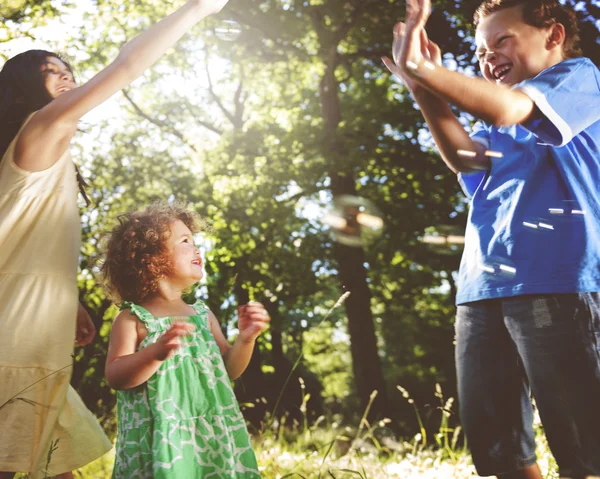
x: 58, y: 77
x: 510, y: 51
x: 185, y: 257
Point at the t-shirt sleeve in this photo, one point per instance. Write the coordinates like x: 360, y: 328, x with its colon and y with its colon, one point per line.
x: 481, y: 134
x: 470, y: 181
x: 568, y: 97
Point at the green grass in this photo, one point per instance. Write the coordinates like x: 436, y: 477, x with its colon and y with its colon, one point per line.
x: 328, y: 450
x: 325, y: 454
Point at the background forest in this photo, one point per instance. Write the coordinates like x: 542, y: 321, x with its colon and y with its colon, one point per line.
x: 258, y: 119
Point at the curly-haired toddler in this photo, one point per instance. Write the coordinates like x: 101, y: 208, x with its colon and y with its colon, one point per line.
x: 169, y: 361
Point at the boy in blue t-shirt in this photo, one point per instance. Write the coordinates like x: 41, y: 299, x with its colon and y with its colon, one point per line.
x: 528, y: 312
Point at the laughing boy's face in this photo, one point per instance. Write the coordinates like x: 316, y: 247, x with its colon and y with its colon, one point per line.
x: 510, y: 50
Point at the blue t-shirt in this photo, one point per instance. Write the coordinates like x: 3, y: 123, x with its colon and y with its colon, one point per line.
x: 534, y: 221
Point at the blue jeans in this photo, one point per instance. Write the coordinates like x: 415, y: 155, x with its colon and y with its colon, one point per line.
x: 544, y: 345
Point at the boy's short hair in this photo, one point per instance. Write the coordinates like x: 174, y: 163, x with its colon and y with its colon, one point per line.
x: 540, y: 14
x: 136, y: 254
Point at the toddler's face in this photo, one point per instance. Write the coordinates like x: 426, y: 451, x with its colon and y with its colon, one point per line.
x: 509, y: 50
x: 185, y: 257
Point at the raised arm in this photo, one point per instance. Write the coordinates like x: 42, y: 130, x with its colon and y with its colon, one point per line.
x: 449, y: 135
x: 127, y: 368
x: 254, y: 319
x: 47, y: 135
x: 493, y: 103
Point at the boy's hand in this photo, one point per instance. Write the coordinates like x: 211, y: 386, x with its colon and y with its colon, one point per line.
x: 254, y: 319
x: 411, y: 45
x: 169, y: 342
x: 411, y: 50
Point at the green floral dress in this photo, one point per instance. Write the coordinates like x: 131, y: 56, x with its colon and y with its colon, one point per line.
x: 184, y: 422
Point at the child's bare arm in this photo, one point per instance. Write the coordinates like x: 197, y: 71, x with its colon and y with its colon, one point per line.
x: 495, y: 104
x: 126, y: 368
x: 448, y: 134
x: 253, y: 321
x: 51, y: 129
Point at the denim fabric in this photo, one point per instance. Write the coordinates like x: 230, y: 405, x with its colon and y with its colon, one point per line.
x: 544, y: 345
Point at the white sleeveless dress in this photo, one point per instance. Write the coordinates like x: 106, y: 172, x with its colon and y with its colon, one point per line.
x: 39, y: 250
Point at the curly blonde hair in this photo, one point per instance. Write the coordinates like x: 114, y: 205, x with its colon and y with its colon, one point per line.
x: 136, y: 254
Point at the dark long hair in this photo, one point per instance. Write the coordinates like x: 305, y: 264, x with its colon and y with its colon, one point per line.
x: 23, y: 91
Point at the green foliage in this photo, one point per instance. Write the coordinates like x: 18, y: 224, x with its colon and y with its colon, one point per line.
x: 252, y: 136
x: 327, y: 354
x: 258, y: 135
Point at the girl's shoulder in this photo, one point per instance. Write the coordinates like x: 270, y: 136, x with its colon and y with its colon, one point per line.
x: 200, y: 307
x: 136, y: 310
x: 127, y: 323
x: 202, y: 317
x: 133, y: 310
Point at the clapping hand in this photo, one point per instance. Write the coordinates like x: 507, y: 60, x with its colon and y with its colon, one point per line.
x: 411, y: 46
x: 253, y: 320
x: 169, y: 342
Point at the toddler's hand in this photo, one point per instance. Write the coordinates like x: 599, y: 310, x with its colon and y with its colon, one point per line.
x: 254, y: 319
x: 169, y: 342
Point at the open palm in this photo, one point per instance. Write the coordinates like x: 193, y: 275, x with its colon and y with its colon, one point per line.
x: 411, y: 44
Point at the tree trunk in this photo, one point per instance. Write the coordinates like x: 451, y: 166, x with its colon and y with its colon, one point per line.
x: 368, y: 374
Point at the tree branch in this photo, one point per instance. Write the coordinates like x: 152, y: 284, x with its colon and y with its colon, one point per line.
x: 159, y: 123
x: 259, y: 25
x: 193, y: 110
x: 365, y: 54
x: 216, y: 98
x: 350, y: 21
x: 239, y: 99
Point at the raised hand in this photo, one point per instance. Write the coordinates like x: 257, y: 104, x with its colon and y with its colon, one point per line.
x: 411, y: 50
x: 168, y: 343
x: 253, y: 320
x: 411, y: 46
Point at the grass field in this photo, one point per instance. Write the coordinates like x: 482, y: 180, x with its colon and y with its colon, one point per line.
x: 279, y: 460
x: 367, y: 451
x: 328, y: 450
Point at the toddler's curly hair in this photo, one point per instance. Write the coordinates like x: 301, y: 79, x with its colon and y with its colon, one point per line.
x: 136, y: 254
